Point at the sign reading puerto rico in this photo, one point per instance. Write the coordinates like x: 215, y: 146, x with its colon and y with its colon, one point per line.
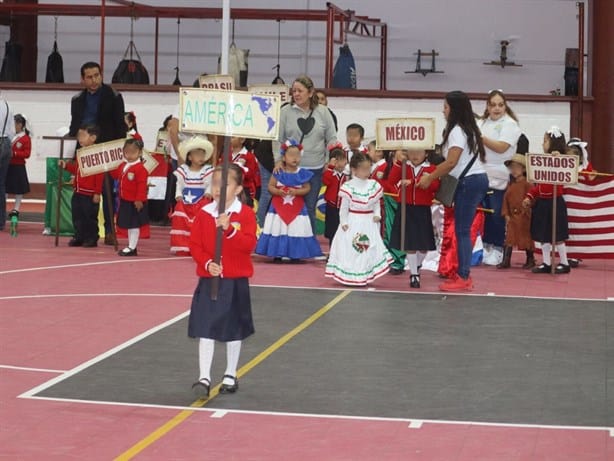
x: 552, y: 169
x: 217, y: 82
x: 229, y: 113
x: 405, y: 133
x: 283, y: 91
x: 100, y: 158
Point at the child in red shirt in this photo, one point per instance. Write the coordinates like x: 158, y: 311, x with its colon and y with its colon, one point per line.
x: 333, y: 178
x: 16, y: 176
x: 86, y: 195
x: 419, y: 236
x: 132, y: 177
x: 229, y: 318
x: 246, y: 160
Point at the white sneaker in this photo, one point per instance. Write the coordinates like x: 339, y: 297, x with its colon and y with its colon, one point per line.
x: 493, y: 257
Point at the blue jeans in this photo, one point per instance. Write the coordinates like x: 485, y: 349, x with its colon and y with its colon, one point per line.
x: 265, y: 195
x: 5, y: 158
x: 469, y: 193
x: 311, y: 199
x: 494, y: 223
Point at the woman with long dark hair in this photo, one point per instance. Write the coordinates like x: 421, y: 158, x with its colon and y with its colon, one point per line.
x: 464, y: 155
x: 500, y: 134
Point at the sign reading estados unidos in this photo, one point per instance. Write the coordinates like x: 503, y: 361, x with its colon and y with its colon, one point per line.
x: 552, y: 169
x: 229, y: 113
x: 405, y: 133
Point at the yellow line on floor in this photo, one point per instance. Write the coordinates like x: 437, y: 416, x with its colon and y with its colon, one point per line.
x: 183, y: 415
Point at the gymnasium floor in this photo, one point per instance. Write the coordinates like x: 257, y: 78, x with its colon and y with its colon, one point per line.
x: 95, y: 363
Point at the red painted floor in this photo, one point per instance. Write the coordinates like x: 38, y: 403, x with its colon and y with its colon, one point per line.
x: 48, y: 321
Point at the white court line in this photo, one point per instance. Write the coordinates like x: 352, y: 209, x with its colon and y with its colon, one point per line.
x: 412, y: 423
x: 219, y: 414
x: 102, y: 356
x: 95, y: 295
x: 433, y: 293
x: 98, y: 263
x: 40, y: 370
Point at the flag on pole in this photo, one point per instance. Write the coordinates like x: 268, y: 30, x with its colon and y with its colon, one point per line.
x: 590, y: 211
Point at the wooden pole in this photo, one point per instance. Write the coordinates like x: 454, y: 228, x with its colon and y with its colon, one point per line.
x: 552, y: 251
x: 221, y: 207
x: 580, y: 70
x: 403, y: 203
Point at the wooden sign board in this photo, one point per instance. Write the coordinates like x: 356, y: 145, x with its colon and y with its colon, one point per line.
x: 102, y: 158
x: 282, y: 91
x: 552, y: 169
x: 229, y: 113
x: 162, y: 142
x: 405, y: 133
x: 217, y: 82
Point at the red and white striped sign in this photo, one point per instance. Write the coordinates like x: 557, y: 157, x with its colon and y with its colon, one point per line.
x: 590, y: 210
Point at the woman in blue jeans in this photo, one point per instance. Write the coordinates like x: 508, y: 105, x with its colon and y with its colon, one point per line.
x: 462, y: 141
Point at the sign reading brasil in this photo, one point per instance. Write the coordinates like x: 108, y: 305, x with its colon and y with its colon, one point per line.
x: 229, y: 113
x: 552, y: 169
x: 105, y: 157
x: 405, y: 133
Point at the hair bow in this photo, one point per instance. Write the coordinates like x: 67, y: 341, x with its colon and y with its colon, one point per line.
x: 290, y: 143
x: 337, y: 145
x: 555, y: 131
x: 582, y: 145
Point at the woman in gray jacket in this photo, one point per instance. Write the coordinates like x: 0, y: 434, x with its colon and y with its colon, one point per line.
x: 311, y: 124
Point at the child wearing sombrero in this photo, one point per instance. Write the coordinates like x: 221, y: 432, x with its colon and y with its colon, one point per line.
x: 517, y: 217
x: 193, y: 181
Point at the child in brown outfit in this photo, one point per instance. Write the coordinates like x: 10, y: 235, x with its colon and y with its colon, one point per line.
x: 517, y: 217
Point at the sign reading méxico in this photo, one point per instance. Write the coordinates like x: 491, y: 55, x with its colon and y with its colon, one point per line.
x: 229, y: 113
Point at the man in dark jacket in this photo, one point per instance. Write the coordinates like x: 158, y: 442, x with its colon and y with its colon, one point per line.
x: 100, y: 105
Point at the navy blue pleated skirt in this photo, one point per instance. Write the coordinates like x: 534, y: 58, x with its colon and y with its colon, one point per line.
x: 227, y: 319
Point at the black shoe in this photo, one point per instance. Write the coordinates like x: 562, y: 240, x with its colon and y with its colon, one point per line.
x: 90, y: 244
x: 542, y: 269
x: 394, y: 271
x: 75, y: 243
x: 414, y: 281
x: 14, y: 213
x: 201, y: 389
x: 127, y: 252
x: 573, y: 262
x: 229, y: 388
x: 562, y: 269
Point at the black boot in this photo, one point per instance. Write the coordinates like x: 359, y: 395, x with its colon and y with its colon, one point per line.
x: 507, y: 258
x: 530, y: 262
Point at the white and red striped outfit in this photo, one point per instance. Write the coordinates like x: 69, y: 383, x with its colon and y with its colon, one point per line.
x: 191, y: 188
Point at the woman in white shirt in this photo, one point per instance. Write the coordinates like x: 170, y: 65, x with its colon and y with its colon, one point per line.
x: 462, y: 141
x: 500, y: 133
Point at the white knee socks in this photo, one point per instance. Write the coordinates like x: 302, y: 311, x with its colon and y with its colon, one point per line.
x: 18, y: 198
x: 205, y: 358
x: 233, y: 350
x: 546, y: 252
x: 414, y: 260
x: 562, y: 250
x: 133, y: 238
x: 206, y: 348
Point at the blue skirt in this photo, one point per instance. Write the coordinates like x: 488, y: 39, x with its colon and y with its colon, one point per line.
x: 227, y: 319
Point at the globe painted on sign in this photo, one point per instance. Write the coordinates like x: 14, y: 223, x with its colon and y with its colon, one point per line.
x: 265, y: 105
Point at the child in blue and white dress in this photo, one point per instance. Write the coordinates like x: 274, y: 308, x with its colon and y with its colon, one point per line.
x: 287, y: 231
x: 358, y: 255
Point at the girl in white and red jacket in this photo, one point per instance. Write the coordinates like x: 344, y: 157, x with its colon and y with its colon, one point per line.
x: 419, y: 236
x: 229, y: 317
x: 17, y: 178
